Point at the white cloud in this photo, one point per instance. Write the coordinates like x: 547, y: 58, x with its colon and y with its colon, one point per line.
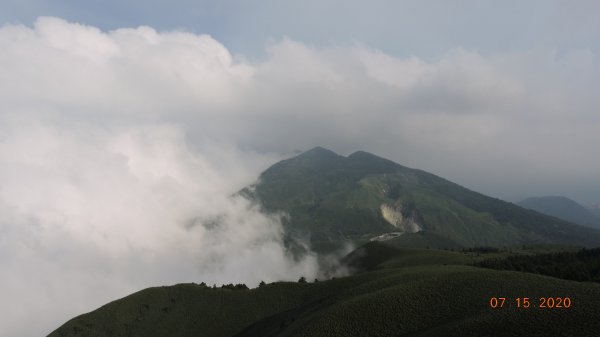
x: 91, y: 215
x: 115, y: 145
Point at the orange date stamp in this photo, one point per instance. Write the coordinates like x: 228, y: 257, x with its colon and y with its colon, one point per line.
x: 526, y: 302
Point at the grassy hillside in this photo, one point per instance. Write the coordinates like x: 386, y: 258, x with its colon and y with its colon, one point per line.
x: 331, y: 198
x: 401, y: 292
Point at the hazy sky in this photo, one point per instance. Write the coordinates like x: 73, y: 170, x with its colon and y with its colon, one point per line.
x: 126, y: 125
x: 402, y: 28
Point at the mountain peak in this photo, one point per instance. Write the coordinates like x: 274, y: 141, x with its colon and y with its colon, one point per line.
x: 360, y: 153
x: 372, y: 161
x: 363, y: 154
x: 333, y: 198
x: 319, y: 152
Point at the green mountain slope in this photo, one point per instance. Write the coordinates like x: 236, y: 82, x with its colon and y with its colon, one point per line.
x: 562, y: 208
x: 331, y: 198
x: 404, y: 292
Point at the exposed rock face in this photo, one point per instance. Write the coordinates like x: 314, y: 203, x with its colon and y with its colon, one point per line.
x: 392, y: 216
x: 404, y: 217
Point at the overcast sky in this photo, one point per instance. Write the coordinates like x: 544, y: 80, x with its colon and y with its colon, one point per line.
x: 126, y: 125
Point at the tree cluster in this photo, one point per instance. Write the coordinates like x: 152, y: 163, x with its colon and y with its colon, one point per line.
x: 583, y: 265
x: 239, y: 286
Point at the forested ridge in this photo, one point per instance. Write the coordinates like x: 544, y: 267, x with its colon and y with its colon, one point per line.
x: 583, y: 265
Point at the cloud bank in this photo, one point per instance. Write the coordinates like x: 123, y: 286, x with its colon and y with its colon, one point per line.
x: 119, y: 150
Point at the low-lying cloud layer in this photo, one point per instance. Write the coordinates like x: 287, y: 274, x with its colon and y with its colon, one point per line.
x: 119, y: 150
x: 90, y: 215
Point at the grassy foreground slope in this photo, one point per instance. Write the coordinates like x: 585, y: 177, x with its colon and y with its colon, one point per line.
x: 331, y: 199
x: 402, y: 292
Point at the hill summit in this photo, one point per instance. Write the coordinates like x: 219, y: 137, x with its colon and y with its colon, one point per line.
x: 332, y: 199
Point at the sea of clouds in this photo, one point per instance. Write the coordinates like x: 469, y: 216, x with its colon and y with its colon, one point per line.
x: 120, y: 151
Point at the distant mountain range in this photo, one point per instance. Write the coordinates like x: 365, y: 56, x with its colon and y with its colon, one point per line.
x: 562, y: 208
x: 595, y: 209
x: 331, y: 199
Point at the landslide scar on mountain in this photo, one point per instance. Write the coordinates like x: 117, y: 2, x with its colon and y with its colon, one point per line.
x: 405, y: 218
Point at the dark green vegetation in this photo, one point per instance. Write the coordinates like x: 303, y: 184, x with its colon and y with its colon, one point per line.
x: 400, y: 292
x: 562, y: 208
x: 331, y: 199
x: 583, y: 265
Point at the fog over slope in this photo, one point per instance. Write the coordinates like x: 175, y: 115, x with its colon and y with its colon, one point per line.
x: 119, y: 150
x: 89, y: 218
